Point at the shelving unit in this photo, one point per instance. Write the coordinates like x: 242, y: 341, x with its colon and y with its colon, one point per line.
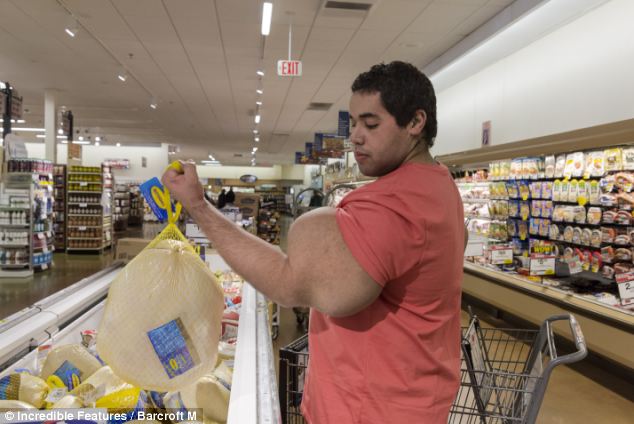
x: 121, y: 207
x: 108, y: 187
x: 26, y: 221
x: 136, y: 206
x: 59, y: 207
x: 269, y: 223
x: 87, y: 209
x: 274, y: 199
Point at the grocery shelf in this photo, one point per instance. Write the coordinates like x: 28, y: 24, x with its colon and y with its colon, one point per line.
x: 14, y: 244
x: 84, y: 226
x: 14, y: 265
x: 85, y: 238
x: 86, y: 248
x: 85, y: 214
x: 85, y: 203
x: 83, y: 192
x: 14, y: 208
x: 14, y: 225
x: 83, y: 173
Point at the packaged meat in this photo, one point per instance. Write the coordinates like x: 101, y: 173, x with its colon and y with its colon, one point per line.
x: 628, y: 158
x: 576, y: 235
x: 516, y: 169
x: 565, y: 188
x: 594, y: 215
x: 596, y: 163
x: 71, y: 364
x: 569, y: 213
x: 608, y: 200
x: 522, y: 230
x: 582, y: 192
x: 525, y: 210
x: 594, y: 192
x: 613, y: 160
x: 595, y: 238
x: 511, y: 228
x: 624, y: 181
x: 547, y: 190
x: 535, y: 190
x: 573, y: 191
x: 24, y: 387
x: 575, y: 165
x: 524, y: 190
x: 167, y: 337
x: 14, y: 405
x: 512, y: 189
x: 607, y: 234
x: 609, y: 216
x: 596, y: 263
x: 580, y: 214
x: 622, y: 240
x: 623, y: 217
x: 586, y: 235
x: 569, y: 253
x: 554, y: 232
x: 549, y: 166
x: 622, y: 254
x: 556, y: 190
x: 568, y: 234
x: 560, y: 166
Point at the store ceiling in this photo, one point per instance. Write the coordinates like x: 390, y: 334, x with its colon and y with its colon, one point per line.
x: 199, y: 59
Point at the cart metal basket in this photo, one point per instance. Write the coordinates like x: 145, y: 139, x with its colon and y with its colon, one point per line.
x: 504, y: 373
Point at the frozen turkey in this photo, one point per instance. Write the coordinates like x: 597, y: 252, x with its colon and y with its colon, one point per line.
x: 162, y: 321
x: 71, y: 363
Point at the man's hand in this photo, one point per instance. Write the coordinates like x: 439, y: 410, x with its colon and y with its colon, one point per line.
x: 185, y: 187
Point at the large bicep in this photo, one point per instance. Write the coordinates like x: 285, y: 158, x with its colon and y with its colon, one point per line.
x: 326, y: 274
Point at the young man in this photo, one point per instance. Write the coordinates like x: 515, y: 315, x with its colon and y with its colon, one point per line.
x: 381, y: 272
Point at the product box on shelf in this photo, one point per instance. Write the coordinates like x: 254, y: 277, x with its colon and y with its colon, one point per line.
x: 128, y: 248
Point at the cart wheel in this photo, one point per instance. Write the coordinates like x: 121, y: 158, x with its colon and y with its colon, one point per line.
x: 275, y: 333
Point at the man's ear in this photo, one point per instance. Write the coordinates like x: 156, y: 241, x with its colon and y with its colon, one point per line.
x: 418, y: 123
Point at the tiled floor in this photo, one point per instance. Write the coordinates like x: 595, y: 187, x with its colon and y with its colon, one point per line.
x: 579, y: 394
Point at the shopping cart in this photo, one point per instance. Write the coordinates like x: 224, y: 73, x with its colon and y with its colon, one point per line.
x: 505, y: 373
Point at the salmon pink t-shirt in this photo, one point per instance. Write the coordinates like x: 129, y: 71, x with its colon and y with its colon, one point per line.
x: 398, y: 360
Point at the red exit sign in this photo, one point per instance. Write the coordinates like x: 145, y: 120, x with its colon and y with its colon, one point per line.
x: 289, y: 68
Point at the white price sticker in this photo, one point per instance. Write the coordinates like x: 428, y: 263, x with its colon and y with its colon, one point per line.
x: 625, y: 282
x: 575, y: 266
x: 542, y: 264
x: 44, y: 266
x: 501, y: 255
x: 82, y: 228
x: 83, y: 205
x: 83, y: 184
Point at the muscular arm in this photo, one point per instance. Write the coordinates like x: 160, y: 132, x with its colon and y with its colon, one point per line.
x: 319, y: 271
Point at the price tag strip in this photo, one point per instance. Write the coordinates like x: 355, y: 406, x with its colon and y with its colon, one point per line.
x: 501, y: 255
x: 625, y: 282
x: 542, y: 264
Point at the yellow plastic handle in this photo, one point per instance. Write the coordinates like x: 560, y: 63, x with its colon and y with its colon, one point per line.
x: 176, y: 166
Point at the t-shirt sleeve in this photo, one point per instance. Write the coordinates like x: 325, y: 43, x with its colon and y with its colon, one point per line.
x: 383, y: 238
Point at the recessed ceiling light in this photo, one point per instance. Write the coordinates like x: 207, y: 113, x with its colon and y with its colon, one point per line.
x: 96, y: 143
x: 118, y: 144
x: 259, y: 103
x: 267, y: 13
x: 257, y: 119
x: 255, y: 149
x: 123, y: 76
x: 257, y: 139
x: 29, y: 129
x: 255, y: 131
x: 97, y: 138
x: 60, y: 131
x: 259, y: 91
x: 260, y: 72
x: 81, y: 138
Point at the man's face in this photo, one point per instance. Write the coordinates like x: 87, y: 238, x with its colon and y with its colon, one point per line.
x: 380, y: 145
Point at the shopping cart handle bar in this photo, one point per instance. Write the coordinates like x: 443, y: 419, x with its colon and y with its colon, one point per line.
x: 579, y: 339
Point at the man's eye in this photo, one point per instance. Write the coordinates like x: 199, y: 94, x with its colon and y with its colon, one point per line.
x: 371, y: 127
x: 353, y: 124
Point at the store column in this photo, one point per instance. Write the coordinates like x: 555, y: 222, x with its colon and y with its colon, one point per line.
x: 50, y: 125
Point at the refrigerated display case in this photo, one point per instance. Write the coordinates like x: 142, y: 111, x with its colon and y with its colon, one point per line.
x: 60, y: 318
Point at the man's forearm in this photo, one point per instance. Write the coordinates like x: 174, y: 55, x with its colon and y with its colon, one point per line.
x: 264, y: 266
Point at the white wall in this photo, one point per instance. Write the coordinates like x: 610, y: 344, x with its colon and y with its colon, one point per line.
x: 293, y: 172
x: 575, y: 77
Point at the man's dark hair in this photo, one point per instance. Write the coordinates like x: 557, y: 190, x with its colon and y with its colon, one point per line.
x: 403, y: 90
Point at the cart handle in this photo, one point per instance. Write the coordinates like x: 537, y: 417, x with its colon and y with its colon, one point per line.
x: 579, y: 339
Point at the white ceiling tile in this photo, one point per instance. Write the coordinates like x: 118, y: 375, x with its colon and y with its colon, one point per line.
x: 442, y: 17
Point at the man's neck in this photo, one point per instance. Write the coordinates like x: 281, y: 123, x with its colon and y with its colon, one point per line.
x: 420, y: 154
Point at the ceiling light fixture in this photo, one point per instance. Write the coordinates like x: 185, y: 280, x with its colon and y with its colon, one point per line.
x: 259, y: 91
x: 123, y: 76
x: 97, y: 139
x: 267, y: 13
x: 153, y: 103
x: 259, y: 103
x: 97, y: 143
x: 72, y: 28
x: 60, y: 131
x: 255, y: 149
x: 118, y: 144
x: 81, y: 138
x: 80, y: 142
x: 255, y: 131
x: 257, y: 119
x: 260, y: 72
x: 257, y: 139
x: 29, y: 129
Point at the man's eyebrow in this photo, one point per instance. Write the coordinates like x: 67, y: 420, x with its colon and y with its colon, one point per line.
x: 368, y: 115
